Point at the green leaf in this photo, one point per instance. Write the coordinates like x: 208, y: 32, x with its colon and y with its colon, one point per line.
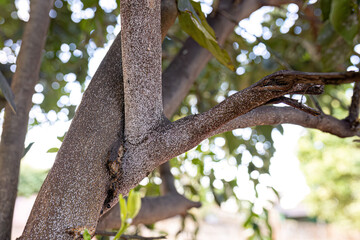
x: 8, y: 94
x: 326, y: 34
x: 193, y: 22
x: 123, y: 209
x: 27, y: 148
x: 344, y: 18
x: 325, y: 6
x: 53, y: 150
x: 186, y: 6
x: 86, y: 235
x: 123, y: 216
x: 61, y: 139
x: 134, y: 203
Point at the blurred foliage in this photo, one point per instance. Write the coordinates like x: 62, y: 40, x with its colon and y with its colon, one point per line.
x: 30, y: 180
x: 233, y: 166
x: 192, y: 20
x: 332, y: 167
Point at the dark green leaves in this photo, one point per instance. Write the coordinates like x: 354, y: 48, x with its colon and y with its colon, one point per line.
x: 325, y: 6
x: 343, y: 16
x: 27, y: 148
x: 193, y: 22
x: 6, y: 91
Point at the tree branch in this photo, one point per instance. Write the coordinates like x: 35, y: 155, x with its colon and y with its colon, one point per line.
x: 191, y: 59
x: 141, y: 57
x: 270, y: 115
x: 187, y: 132
x: 294, y: 103
x: 80, y: 176
x: 153, y: 209
x: 167, y: 184
x: 354, y: 107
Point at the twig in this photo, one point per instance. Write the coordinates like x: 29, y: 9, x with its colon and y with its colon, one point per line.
x: 167, y: 185
x: 126, y: 237
x: 354, y: 107
x: 7, y: 92
x: 316, y: 103
x: 294, y: 103
x: 228, y: 16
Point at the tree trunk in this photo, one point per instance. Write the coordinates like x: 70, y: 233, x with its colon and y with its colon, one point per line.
x: 74, y: 191
x: 15, y: 125
x: 96, y: 162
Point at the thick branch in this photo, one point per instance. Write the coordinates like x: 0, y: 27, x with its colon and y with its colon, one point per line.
x: 79, y: 179
x: 181, y: 74
x: 15, y: 126
x: 167, y: 184
x: 153, y: 209
x: 269, y: 115
x: 187, y: 132
x: 74, y: 191
x: 141, y: 57
x: 275, y: 80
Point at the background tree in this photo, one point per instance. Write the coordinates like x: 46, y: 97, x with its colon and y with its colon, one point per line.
x: 88, y: 165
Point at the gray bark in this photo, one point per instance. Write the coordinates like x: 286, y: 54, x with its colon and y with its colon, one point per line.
x: 141, y: 59
x: 76, y: 187
x: 89, y: 185
x: 15, y: 125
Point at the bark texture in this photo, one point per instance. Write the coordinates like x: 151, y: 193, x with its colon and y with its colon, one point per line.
x: 15, y: 125
x: 180, y: 75
x: 75, y: 189
x: 82, y: 163
x: 141, y: 57
x: 88, y: 187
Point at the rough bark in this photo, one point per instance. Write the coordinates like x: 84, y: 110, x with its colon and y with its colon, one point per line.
x: 180, y: 75
x: 81, y: 165
x: 63, y: 210
x: 75, y: 189
x: 15, y: 125
x: 141, y: 59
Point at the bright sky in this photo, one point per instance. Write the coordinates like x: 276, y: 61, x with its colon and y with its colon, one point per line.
x: 285, y: 173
